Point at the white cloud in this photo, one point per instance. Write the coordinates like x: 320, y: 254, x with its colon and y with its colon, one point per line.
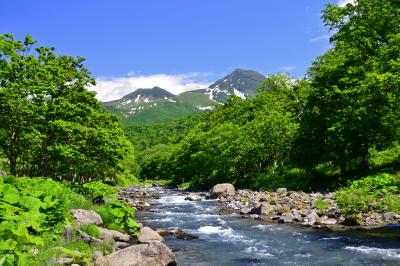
x: 342, y: 3
x: 320, y: 38
x: 287, y: 68
x: 109, y: 89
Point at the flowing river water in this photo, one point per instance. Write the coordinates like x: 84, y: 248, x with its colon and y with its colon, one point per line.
x: 232, y: 240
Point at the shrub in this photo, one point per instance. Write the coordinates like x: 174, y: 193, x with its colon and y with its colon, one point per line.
x: 97, y: 188
x: 30, y: 208
x: 321, y: 205
x: 294, y: 179
x: 118, y: 215
x: 372, y: 193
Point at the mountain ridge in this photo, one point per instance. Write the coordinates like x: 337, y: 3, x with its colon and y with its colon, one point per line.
x: 158, y: 104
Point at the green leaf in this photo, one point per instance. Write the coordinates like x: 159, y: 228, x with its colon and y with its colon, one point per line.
x: 8, y: 244
x: 10, y: 194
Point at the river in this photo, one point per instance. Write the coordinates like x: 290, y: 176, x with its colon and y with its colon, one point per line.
x: 232, y: 240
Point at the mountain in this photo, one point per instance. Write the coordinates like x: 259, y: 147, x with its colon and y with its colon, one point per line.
x: 241, y: 82
x: 159, y: 105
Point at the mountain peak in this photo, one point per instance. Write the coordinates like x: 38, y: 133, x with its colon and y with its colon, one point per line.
x: 241, y: 82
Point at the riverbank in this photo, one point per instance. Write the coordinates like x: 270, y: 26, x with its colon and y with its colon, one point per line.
x: 308, y: 209
x: 227, y: 238
x: 319, y: 210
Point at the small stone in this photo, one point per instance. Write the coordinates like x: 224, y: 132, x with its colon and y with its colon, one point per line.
x: 389, y: 216
x: 66, y: 235
x: 266, y: 208
x: 311, y: 219
x: 61, y: 261
x: 89, y: 239
x: 97, y: 254
x: 255, y: 216
x: 245, y: 210
x: 281, y: 190
x: 327, y: 221
x: 287, y: 218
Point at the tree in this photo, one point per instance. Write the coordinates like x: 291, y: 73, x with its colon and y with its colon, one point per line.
x: 51, y: 125
x: 355, y: 102
x: 243, y: 138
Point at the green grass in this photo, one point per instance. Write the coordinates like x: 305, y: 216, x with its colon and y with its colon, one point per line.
x: 321, y: 205
x: 91, y: 230
x: 48, y: 251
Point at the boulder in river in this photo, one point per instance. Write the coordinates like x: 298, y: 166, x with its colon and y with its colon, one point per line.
x: 221, y: 190
x: 245, y: 210
x: 179, y: 233
x: 147, y: 234
x: 151, y: 253
x: 193, y: 197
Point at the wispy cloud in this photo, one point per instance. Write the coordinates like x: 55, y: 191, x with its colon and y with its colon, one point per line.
x: 287, y: 68
x: 109, y: 89
x: 345, y: 2
x: 320, y: 38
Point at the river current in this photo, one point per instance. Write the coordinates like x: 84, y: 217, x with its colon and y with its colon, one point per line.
x: 232, y: 240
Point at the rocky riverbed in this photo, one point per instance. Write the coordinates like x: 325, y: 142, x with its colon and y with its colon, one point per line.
x: 217, y: 234
x: 309, y: 209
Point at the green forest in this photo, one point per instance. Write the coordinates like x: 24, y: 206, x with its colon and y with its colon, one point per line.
x: 340, y: 122
x: 336, y: 129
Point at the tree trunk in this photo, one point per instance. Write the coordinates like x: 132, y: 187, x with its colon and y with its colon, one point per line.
x: 13, y: 165
x: 365, y: 163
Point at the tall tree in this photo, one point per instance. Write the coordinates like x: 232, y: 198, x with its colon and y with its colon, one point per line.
x: 51, y: 125
x: 355, y: 102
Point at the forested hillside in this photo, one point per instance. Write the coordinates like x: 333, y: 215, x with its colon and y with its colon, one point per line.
x: 339, y: 123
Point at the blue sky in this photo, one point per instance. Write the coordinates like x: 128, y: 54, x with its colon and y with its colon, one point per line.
x: 189, y: 43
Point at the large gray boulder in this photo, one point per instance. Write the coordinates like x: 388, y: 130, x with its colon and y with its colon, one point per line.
x: 83, y: 217
x: 147, y: 234
x: 222, y: 189
x: 149, y: 254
